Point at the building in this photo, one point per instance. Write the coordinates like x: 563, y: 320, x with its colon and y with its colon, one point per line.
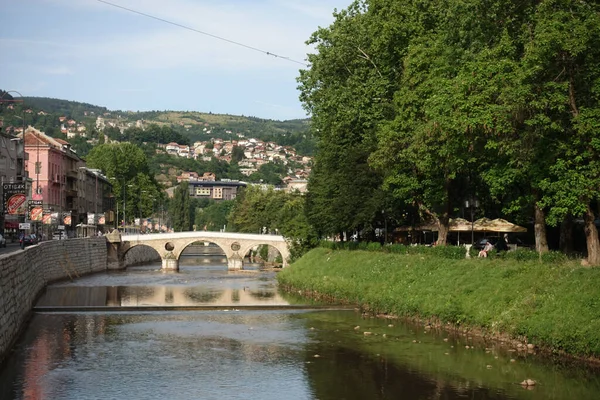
x: 13, y: 178
x: 62, y: 183
x: 95, y: 201
x: 216, y: 190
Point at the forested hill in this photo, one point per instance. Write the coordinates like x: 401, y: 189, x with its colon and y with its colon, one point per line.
x: 195, y: 124
x: 72, y: 109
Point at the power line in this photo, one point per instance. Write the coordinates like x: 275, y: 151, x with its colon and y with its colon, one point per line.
x: 203, y: 33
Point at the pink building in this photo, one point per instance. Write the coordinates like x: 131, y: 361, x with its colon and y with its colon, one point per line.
x: 52, y: 167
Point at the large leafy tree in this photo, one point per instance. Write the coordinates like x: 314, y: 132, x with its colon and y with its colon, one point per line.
x: 180, y: 209
x: 347, y: 90
x: 274, y: 211
x: 213, y: 217
x: 126, y: 166
x: 563, y: 63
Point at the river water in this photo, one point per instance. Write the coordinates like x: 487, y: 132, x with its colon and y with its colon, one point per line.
x: 206, y: 333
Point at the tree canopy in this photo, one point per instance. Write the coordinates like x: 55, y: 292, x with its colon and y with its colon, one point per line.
x: 427, y: 104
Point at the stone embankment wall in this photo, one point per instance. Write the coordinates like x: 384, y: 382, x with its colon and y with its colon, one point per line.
x: 25, y: 273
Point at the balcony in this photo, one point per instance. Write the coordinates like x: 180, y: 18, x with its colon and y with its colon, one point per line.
x: 71, y: 174
x: 71, y: 193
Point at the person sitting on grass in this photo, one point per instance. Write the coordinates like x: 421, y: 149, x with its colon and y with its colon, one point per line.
x: 484, y: 252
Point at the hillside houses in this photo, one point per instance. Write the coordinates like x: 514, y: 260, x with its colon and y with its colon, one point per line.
x: 256, y: 152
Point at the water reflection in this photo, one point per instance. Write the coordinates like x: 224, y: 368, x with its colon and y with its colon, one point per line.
x: 267, y: 354
x: 149, y: 286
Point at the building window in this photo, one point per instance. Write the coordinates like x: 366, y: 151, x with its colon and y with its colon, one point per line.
x: 218, y: 193
x: 202, y: 191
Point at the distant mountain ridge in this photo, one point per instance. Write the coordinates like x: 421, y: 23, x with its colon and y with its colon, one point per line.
x: 193, y: 122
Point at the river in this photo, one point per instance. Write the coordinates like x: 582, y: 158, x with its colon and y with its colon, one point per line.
x: 206, y: 333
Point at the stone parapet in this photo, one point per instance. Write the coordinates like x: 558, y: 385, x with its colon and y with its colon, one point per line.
x: 25, y: 273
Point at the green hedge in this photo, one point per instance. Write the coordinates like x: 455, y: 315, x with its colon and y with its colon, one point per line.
x: 448, y: 252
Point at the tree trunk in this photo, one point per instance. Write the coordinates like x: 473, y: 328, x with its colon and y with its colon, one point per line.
x: 539, y: 227
x: 444, y: 220
x: 443, y: 231
x: 591, y: 237
x: 566, y: 234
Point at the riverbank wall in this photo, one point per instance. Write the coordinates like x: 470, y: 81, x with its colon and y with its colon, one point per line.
x: 548, y: 307
x: 25, y: 273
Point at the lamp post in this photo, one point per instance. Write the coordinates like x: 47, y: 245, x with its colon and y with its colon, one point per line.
x: 125, y: 204
x: 472, y: 205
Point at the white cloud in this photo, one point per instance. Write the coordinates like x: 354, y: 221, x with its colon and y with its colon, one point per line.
x: 57, y: 70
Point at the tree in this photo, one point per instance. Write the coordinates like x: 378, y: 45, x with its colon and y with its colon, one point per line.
x: 126, y: 166
x: 237, y: 154
x: 213, y: 217
x: 255, y: 210
x: 347, y: 90
x: 180, y: 209
x: 562, y: 63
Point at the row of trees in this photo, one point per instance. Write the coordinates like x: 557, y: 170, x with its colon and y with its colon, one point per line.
x: 418, y: 106
x: 126, y: 166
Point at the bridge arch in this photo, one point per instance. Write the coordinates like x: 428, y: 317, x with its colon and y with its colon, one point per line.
x: 136, y: 255
x: 281, y: 249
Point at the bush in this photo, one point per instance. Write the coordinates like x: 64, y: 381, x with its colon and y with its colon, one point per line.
x: 450, y: 252
x: 554, y: 257
x: 522, y: 255
x: 373, y: 246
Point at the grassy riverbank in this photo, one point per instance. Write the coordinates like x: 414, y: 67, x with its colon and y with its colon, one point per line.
x: 553, y: 306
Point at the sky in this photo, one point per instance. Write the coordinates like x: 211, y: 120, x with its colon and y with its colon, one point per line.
x: 89, y: 51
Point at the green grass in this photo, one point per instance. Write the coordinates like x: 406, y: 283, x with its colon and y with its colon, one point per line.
x: 552, y: 305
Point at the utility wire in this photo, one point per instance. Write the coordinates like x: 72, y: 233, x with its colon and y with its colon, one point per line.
x: 203, y: 33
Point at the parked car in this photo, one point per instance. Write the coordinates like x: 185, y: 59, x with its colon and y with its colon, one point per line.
x: 28, y: 240
x: 2, y: 241
x: 480, y: 244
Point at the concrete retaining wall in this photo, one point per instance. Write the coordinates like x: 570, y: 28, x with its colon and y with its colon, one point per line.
x: 25, y: 273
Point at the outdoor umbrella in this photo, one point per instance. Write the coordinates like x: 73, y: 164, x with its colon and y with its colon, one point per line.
x: 502, y: 225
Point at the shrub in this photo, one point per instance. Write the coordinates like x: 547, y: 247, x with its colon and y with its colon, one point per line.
x: 450, y: 252
x: 554, y: 257
x: 522, y: 255
x: 373, y: 246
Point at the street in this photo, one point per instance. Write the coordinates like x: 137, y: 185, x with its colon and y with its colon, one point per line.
x: 10, y: 247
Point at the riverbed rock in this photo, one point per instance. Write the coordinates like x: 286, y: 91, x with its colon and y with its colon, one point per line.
x: 528, y: 382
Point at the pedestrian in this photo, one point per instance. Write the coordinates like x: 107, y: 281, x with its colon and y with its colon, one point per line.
x: 502, y: 244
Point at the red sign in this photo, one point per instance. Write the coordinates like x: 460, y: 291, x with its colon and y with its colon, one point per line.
x: 14, y: 198
x: 47, y: 219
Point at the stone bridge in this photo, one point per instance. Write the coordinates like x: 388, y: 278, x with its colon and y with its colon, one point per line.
x: 170, y: 246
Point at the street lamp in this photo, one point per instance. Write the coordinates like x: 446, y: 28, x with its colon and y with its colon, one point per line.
x: 472, y: 206
x: 124, y: 203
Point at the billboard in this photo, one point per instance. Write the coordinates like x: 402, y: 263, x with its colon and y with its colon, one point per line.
x: 101, y: 219
x: 47, y: 219
x: 67, y: 219
x: 14, y: 199
x: 36, y: 210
